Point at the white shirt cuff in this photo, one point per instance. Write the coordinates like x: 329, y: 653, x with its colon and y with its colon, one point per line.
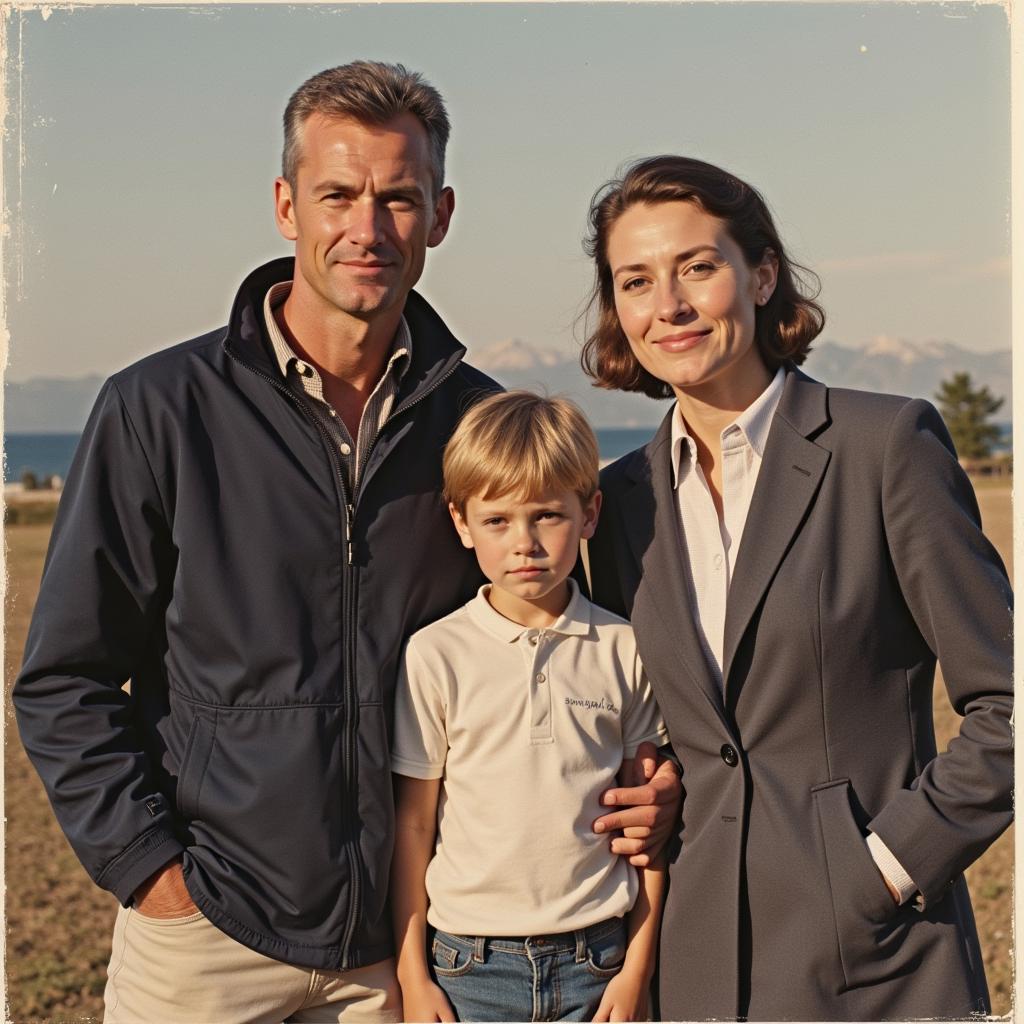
x: 891, y: 868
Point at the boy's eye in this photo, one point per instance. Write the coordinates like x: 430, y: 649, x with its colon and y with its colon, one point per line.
x: 550, y: 515
x: 494, y: 521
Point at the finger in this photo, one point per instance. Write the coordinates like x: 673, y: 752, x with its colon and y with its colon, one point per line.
x: 446, y: 1014
x: 628, y: 847
x: 645, y: 763
x: 667, y: 769
x: 640, y: 860
x: 603, y: 1012
x: 631, y: 796
x: 628, y: 817
x: 637, y: 832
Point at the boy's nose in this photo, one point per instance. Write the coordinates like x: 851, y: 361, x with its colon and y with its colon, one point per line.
x: 525, y: 541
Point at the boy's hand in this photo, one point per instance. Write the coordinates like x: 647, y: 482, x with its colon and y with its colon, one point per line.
x: 625, y: 998
x: 426, y: 1001
x: 649, y: 809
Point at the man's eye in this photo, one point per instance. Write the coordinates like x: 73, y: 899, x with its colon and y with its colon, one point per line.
x: 400, y: 203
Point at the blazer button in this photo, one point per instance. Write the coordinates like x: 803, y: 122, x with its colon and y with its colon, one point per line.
x: 729, y: 755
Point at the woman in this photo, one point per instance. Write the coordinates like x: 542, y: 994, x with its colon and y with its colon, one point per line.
x: 794, y: 558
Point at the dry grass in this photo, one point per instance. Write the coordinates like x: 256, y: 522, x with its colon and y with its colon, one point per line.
x: 58, y: 923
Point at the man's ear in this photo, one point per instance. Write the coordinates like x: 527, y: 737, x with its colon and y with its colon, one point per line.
x: 591, y: 512
x: 443, y: 210
x: 460, y: 526
x: 284, y: 210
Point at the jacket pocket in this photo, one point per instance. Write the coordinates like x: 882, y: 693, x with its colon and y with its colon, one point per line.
x: 870, y: 928
x: 194, y: 761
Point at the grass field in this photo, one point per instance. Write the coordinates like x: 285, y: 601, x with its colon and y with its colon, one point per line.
x: 58, y: 922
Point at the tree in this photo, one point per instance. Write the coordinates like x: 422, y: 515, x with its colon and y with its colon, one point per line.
x: 966, y: 410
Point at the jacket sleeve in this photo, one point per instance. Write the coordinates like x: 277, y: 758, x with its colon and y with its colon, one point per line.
x: 605, y: 586
x: 956, y: 588
x: 104, y: 588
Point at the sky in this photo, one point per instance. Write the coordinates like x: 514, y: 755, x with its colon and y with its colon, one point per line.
x: 142, y: 144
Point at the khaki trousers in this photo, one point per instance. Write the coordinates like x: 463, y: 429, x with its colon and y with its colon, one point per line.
x: 187, y: 971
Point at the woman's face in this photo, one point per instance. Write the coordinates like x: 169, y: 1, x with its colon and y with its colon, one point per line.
x: 685, y: 298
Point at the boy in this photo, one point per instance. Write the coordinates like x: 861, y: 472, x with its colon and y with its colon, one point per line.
x: 512, y: 716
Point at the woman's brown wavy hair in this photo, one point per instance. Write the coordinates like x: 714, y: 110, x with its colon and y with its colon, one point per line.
x: 784, y: 327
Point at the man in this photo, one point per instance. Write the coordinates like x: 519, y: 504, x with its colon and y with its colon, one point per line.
x: 251, y: 528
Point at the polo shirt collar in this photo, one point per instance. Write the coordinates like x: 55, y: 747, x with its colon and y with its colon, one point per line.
x: 574, y: 621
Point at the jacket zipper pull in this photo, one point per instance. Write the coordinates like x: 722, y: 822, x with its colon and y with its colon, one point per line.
x: 348, y: 512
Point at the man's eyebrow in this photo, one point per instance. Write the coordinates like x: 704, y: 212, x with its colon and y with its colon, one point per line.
x: 632, y: 268
x: 410, y: 188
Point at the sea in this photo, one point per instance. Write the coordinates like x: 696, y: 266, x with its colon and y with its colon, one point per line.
x: 48, y: 455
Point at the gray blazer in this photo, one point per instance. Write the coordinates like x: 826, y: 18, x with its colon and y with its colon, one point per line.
x: 862, y: 560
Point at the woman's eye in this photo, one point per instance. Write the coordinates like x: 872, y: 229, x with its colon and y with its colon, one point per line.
x: 700, y: 268
x: 632, y: 284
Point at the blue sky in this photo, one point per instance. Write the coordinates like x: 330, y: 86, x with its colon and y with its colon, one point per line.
x: 143, y: 142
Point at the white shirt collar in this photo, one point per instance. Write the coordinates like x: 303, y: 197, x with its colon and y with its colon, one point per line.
x: 401, y: 344
x: 574, y: 621
x: 753, y: 423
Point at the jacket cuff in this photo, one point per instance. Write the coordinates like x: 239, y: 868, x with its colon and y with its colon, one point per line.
x: 150, y: 852
x: 891, y: 868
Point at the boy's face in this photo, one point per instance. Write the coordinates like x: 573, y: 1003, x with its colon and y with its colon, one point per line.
x: 527, y: 548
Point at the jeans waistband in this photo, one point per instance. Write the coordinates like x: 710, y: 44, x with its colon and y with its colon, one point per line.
x: 574, y: 941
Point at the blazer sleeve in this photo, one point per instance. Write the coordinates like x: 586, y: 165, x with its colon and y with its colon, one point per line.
x: 957, y: 590
x: 107, y: 573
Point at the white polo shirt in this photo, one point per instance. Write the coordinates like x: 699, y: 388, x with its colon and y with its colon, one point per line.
x: 527, y: 727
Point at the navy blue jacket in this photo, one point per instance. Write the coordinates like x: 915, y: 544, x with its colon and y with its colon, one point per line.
x: 204, y: 550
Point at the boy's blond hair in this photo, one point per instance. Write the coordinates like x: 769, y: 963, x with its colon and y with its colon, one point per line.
x: 520, y: 443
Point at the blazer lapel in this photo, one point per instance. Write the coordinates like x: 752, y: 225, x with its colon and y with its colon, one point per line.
x: 790, y: 475
x: 650, y: 513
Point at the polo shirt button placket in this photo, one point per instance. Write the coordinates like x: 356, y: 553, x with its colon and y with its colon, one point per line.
x: 540, y: 695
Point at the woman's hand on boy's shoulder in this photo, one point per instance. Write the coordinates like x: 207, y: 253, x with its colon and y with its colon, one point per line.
x: 648, y: 810
x: 425, y: 1001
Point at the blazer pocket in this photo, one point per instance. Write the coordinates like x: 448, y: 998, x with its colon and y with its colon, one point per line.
x: 870, y: 927
x: 194, y: 761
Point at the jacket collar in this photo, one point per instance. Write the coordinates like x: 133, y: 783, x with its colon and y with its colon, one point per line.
x: 788, y: 481
x: 435, y: 351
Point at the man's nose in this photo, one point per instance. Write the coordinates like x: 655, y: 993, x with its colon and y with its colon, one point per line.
x: 366, y: 227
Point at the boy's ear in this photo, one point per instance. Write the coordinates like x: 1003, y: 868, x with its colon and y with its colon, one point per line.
x: 591, y: 511
x: 460, y: 526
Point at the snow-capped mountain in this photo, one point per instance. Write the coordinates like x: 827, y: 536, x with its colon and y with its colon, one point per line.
x: 895, y: 365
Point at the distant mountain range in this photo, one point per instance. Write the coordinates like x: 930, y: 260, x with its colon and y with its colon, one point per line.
x: 895, y: 365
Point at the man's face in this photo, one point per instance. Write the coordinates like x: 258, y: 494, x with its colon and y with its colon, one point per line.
x: 362, y: 213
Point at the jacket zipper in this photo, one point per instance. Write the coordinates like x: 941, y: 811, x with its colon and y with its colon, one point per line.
x: 348, y: 603
x: 348, y: 666
x: 356, y: 903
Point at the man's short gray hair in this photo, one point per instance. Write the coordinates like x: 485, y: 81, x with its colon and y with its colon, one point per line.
x: 369, y: 92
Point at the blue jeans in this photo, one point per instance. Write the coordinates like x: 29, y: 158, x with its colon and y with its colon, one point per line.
x: 540, y: 977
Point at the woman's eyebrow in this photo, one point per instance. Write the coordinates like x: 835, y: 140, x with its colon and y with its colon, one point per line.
x: 632, y: 268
